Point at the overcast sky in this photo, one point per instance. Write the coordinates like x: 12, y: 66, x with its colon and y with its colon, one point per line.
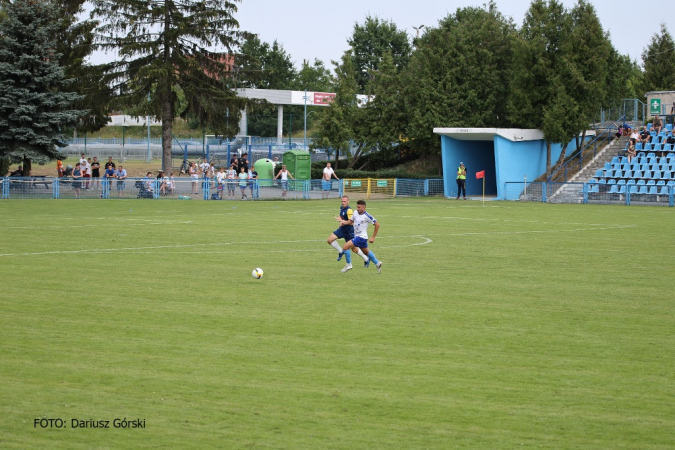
x: 310, y: 29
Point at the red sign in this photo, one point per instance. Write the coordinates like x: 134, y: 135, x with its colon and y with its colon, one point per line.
x: 323, y: 98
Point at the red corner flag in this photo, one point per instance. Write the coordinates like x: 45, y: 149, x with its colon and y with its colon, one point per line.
x: 480, y: 174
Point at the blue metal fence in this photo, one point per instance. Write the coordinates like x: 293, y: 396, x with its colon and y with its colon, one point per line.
x: 592, y: 193
x: 183, y: 188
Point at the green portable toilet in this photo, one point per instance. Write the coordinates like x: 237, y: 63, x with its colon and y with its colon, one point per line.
x: 299, y: 164
x: 265, y: 169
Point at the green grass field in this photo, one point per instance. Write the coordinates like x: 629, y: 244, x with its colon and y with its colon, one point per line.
x: 505, y: 326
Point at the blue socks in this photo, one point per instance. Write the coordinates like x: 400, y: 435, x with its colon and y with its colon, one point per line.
x: 371, y: 256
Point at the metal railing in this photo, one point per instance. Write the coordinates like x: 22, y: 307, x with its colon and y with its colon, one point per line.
x: 593, y: 193
x: 194, y: 189
x: 581, y: 157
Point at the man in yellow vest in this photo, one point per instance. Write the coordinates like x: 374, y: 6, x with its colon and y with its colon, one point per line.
x: 461, y: 180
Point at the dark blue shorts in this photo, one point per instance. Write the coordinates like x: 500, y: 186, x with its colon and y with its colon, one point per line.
x: 341, y: 234
x: 360, y: 242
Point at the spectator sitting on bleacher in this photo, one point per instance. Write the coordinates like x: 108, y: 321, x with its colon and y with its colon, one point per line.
x: 657, y: 125
x: 627, y: 130
x: 645, y: 137
x: 635, y: 135
x: 631, y: 150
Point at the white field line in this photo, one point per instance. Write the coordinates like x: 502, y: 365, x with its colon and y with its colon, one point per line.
x: 425, y: 238
x: 164, y: 247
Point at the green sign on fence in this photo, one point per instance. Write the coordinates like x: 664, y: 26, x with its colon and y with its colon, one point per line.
x: 356, y: 183
x: 655, y: 106
x: 381, y: 183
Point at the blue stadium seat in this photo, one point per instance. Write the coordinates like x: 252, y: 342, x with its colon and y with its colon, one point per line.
x: 638, y: 146
x: 669, y: 126
x: 599, y: 173
x: 653, y: 190
x: 630, y: 182
x: 642, y: 190
x: 611, y: 181
x: 628, y: 174
x: 621, y: 182
x: 602, y: 181
x: 661, y: 183
x: 615, y: 160
x: 657, y: 147
x: 622, y: 189
x: 593, y: 189
x: 641, y: 182
x: 623, y: 160
x: 633, y: 189
x: 664, y: 190
x: 651, y: 183
x: 594, y: 181
x: 647, y: 147
x: 667, y: 148
x: 670, y: 183
x: 608, y: 165
x: 651, y: 155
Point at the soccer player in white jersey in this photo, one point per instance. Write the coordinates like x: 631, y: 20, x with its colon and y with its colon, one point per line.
x: 361, y: 220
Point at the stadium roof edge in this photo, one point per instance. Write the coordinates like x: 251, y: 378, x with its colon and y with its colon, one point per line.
x: 488, y: 134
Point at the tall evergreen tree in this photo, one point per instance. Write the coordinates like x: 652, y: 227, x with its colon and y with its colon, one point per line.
x: 167, y: 46
x: 658, y: 60
x: 35, y: 105
x: 74, y: 41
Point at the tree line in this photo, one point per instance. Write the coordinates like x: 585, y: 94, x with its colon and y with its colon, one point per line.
x: 476, y: 68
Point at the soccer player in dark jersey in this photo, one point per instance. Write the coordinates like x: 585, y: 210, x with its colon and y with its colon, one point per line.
x: 345, y: 231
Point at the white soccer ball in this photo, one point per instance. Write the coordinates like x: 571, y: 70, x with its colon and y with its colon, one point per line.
x: 257, y: 273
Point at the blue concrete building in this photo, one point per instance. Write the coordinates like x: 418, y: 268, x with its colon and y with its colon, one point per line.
x: 505, y: 154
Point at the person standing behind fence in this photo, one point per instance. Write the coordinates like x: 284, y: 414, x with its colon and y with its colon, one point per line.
x: 194, y: 176
x: 120, y: 174
x: 77, y: 175
x: 252, y: 176
x: 284, y: 174
x: 109, y: 176
x: 86, y: 173
x: 212, y: 174
x: 243, y: 181
x: 59, y: 168
x: 172, y: 183
x: 461, y: 180
x: 328, y: 172
x: 231, y: 175
x: 96, y: 173
x: 221, y: 178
